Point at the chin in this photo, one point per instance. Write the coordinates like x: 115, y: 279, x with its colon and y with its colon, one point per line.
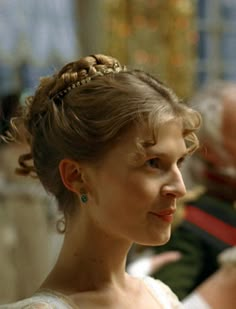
x: 157, y: 241
x: 161, y: 238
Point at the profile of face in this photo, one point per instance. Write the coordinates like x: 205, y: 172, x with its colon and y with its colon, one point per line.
x: 132, y: 194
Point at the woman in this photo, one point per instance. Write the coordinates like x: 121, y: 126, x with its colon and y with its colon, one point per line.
x: 108, y: 144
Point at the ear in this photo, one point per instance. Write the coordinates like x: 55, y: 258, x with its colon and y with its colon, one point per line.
x: 71, y: 175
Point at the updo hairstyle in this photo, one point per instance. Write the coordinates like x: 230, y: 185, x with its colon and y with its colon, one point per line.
x: 81, y: 111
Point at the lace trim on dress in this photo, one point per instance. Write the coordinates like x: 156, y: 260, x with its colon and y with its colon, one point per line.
x: 162, y: 293
x: 59, y: 296
x: 49, y: 299
x: 43, y: 299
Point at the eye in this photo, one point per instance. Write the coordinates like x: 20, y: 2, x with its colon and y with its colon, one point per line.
x: 153, y: 163
x: 181, y: 162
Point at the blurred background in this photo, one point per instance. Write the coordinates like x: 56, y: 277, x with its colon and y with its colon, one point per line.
x: 186, y: 43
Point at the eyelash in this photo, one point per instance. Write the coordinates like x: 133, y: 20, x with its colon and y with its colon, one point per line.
x: 156, y: 161
x: 180, y: 162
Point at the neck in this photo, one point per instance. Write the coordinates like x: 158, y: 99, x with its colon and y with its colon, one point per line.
x: 90, y: 260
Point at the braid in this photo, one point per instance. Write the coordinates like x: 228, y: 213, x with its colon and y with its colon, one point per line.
x: 53, y: 89
x: 78, y: 73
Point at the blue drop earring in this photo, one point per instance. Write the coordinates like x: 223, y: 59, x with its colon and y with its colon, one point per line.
x: 83, y: 196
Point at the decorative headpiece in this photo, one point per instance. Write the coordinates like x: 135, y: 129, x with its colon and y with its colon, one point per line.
x: 116, y: 68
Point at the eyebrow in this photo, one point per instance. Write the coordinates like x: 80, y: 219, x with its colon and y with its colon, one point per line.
x: 149, y: 143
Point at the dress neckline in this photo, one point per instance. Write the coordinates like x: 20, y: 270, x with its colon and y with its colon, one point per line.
x: 64, y: 298
x: 155, y: 287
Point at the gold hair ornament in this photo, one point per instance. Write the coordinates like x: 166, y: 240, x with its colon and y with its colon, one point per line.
x: 117, y: 68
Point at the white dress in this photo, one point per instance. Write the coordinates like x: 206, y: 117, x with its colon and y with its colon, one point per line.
x: 53, y: 300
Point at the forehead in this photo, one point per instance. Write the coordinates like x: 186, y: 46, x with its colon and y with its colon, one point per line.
x: 142, y: 140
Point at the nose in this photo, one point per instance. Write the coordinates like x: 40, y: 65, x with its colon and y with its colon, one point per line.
x: 174, y: 186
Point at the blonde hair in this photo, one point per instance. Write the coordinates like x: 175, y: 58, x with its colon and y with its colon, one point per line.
x: 98, y: 105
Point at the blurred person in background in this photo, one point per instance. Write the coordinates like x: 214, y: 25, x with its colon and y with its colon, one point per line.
x: 218, y: 290
x: 25, y: 216
x: 36, y: 37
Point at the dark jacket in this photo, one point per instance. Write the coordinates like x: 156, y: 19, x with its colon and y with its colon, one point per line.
x: 209, y: 227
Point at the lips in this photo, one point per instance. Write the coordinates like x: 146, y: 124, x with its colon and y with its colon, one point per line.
x: 169, y: 211
x: 166, y: 215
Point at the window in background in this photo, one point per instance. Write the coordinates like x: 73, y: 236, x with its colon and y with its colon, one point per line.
x: 216, y: 23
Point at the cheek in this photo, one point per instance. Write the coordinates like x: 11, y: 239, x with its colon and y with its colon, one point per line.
x: 139, y: 190
x: 122, y: 194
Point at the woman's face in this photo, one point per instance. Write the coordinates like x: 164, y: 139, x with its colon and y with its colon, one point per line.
x: 132, y: 196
